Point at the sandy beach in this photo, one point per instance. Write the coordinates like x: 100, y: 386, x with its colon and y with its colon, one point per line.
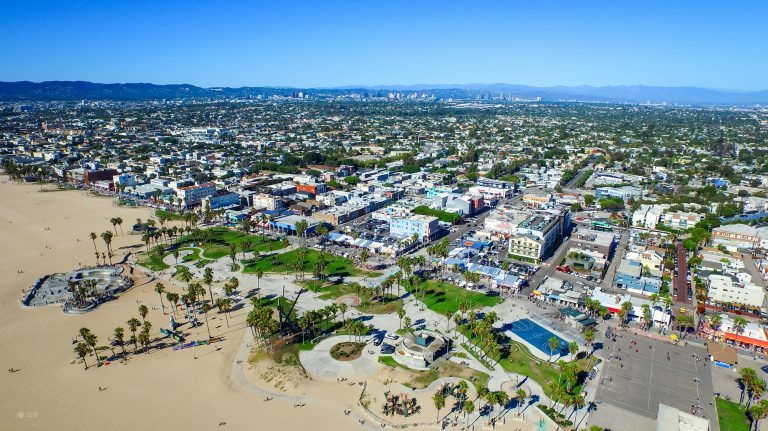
x: 39, y: 232
x: 199, y: 388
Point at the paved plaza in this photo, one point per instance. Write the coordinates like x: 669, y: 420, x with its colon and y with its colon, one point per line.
x: 641, y: 372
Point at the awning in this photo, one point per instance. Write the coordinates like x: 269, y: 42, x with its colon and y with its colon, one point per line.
x: 746, y: 340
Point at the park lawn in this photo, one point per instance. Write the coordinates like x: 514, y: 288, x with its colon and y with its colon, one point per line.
x: 334, y: 290
x: 443, y: 297
x: 169, y: 215
x: 217, y: 246
x: 731, y: 416
x: 422, y: 379
x: 336, y: 267
x: 152, y: 261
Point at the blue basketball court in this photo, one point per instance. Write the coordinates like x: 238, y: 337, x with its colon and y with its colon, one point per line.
x: 538, y: 336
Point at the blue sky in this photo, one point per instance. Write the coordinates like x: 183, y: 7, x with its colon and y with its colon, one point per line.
x: 331, y: 43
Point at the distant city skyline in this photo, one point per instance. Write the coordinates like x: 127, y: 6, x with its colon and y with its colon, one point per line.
x: 342, y: 44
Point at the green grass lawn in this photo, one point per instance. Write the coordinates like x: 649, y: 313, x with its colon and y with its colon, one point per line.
x: 152, y: 261
x: 422, y: 379
x: 731, y: 416
x: 332, y: 291
x: 443, y: 297
x: 217, y: 246
x: 337, y: 266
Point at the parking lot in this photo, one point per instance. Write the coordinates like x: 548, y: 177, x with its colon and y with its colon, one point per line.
x: 642, y: 372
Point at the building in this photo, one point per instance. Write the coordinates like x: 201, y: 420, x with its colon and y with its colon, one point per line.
x: 539, y: 234
x: 405, y: 227
x: 647, y: 216
x: 724, y: 289
x: 94, y: 175
x: 419, y: 349
x: 622, y: 193
x: 595, y: 240
x: 193, y: 195
x: 223, y: 200
x: 736, y: 236
x: 630, y: 276
x: 680, y: 220
x: 287, y: 223
x: 751, y: 336
x: 672, y: 419
x: 538, y: 200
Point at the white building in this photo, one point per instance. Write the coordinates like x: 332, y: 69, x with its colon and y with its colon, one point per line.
x: 723, y: 289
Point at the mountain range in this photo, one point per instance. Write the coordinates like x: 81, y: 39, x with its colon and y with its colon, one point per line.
x: 82, y: 90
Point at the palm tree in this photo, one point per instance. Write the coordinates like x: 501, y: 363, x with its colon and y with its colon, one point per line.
x: 133, y: 325
x: 715, y: 321
x: 208, y: 280
x: 589, y: 337
x: 81, y: 349
x: 758, y: 412
x: 224, y: 305
x: 553, y: 344
x: 259, y: 274
x: 502, y: 399
x: 757, y: 390
x: 573, y: 348
x: 159, y: 289
x: 119, y: 222
x: 95, y: 250
x: 143, y: 311
x: 439, y: 400
x: 206, y: 309
x: 520, y: 395
x: 119, y: 335
x: 113, y: 221
x: 626, y: 308
x: 468, y: 407
x: 90, y: 340
x: 173, y: 298
x: 107, y: 237
x: 739, y: 323
x: 747, y: 377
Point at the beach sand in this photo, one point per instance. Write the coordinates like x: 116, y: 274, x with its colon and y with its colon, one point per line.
x: 161, y: 389
x: 199, y: 388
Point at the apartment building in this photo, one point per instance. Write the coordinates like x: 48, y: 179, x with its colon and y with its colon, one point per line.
x: 423, y: 226
x: 724, y: 289
x: 193, y: 195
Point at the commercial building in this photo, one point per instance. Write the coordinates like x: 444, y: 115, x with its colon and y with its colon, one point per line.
x: 595, y: 240
x: 94, y: 175
x: 193, y: 195
x: 724, y: 289
x: 223, y: 200
x: 422, y: 226
x: 681, y: 220
x: 539, y: 234
x: 630, y: 276
x: 736, y: 236
x: 419, y: 349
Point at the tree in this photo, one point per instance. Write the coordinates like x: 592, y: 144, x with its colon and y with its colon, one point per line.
x: 107, y: 237
x: 208, y: 280
x: 553, y: 344
x: 573, y: 348
x: 589, y: 337
x: 468, y: 407
x: 119, y: 335
x: 747, y: 377
x: 133, y: 325
x: 439, y: 400
x: 95, y: 250
x: 224, y: 305
x: 520, y: 395
x: 407, y: 322
x: 259, y: 274
x: 159, y: 289
x: 173, y: 298
x: 758, y: 412
x: 90, y: 339
x: 143, y: 311
x: 206, y: 309
x: 400, y: 315
x: 626, y: 308
x: 81, y: 349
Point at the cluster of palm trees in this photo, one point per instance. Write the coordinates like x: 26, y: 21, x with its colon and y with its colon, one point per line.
x: 88, y: 341
x: 308, y: 322
x: 562, y: 391
x: 262, y: 323
x: 485, y: 343
x: 492, y: 399
x: 106, y: 236
x: 82, y: 290
x: 459, y: 392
